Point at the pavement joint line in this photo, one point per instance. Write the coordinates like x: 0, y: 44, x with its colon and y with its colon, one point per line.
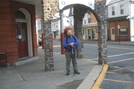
x: 20, y: 74
x: 101, y: 77
x: 118, y: 80
x: 89, y: 60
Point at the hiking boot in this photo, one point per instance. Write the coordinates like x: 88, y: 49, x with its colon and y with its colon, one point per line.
x: 77, y: 72
x: 68, y: 73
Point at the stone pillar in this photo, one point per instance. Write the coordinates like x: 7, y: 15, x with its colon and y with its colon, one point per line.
x: 79, y: 12
x: 50, y: 7
x: 101, y: 11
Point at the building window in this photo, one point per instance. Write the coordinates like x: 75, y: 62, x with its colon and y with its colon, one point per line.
x: 123, y: 31
x: 122, y: 9
x: 88, y: 20
x: 84, y: 21
x: 112, y: 31
x: 20, y: 15
x: 23, y: 30
x: 113, y: 10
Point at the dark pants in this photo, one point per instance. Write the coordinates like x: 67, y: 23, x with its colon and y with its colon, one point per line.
x: 70, y: 57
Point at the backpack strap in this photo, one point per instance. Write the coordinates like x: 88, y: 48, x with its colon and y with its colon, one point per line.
x: 67, y: 39
x: 74, y: 38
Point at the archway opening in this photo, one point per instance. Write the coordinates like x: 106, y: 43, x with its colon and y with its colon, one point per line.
x: 79, y: 11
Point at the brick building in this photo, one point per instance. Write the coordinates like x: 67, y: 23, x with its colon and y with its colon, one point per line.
x: 122, y: 34
x: 120, y: 24
x: 17, y: 30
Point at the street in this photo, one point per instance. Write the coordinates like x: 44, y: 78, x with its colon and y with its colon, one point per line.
x: 120, y: 74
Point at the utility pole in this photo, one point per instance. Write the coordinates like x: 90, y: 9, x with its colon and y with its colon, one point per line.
x: 62, y: 31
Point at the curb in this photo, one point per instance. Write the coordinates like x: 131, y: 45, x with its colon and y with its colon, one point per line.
x: 101, y: 77
x: 91, y: 77
x: 94, y: 78
x: 26, y: 61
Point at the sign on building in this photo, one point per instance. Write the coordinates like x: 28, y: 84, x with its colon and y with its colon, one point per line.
x: 88, y: 3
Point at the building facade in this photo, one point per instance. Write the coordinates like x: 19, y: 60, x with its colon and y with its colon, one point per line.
x: 90, y: 27
x: 119, y: 24
x: 55, y: 26
x: 17, y: 30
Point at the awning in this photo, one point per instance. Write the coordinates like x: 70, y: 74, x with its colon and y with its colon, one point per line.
x: 117, y: 18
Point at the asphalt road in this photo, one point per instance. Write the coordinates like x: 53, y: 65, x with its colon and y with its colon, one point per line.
x: 120, y: 74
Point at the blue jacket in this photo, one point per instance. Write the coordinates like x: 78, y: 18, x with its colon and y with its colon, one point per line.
x: 70, y: 40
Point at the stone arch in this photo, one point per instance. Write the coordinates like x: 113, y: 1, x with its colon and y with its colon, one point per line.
x: 51, y: 7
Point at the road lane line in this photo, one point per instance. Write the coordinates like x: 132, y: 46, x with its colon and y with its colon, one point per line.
x: 101, y: 77
x: 111, y: 72
x: 116, y: 55
x: 118, y: 81
x: 118, y: 67
x: 56, y: 45
x: 94, y: 58
x: 89, y: 60
x: 120, y: 48
x: 121, y: 54
x: 122, y: 68
x: 111, y: 47
x: 121, y: 60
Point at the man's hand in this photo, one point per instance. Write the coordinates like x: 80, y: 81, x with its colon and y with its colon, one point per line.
x: 72, y: 44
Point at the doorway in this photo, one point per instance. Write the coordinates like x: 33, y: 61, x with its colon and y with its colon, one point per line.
x: 24, y: 33
x: 89, y: 35
x: 21, y: 34
x: 112, y: 34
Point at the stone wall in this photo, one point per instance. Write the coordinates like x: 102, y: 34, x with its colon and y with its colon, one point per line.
x: 50, y: 8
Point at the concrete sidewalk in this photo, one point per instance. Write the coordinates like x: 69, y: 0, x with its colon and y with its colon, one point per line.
x: 129, y: 43
x: 32, y: 75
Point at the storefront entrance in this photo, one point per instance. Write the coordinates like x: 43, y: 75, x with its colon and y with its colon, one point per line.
x: 21, y: 34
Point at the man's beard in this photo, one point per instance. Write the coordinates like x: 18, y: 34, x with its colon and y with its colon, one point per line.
x: 69, y: 35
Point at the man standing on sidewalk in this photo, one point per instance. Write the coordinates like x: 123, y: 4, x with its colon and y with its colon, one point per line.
x: 70, y: 42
